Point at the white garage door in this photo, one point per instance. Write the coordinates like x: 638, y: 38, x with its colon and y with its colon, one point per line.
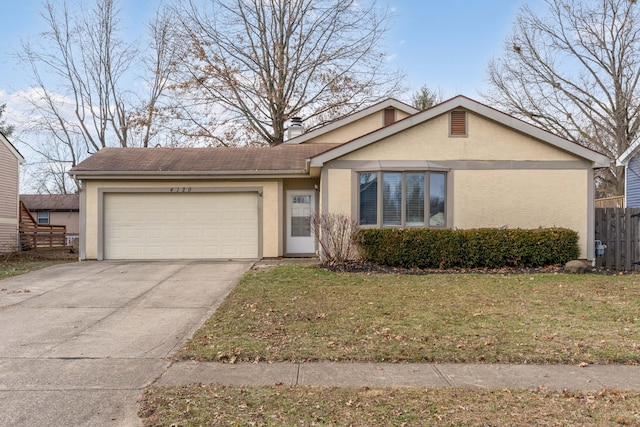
x: 180, y: 225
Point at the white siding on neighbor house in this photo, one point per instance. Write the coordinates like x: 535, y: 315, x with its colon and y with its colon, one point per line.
x: 632, y: 188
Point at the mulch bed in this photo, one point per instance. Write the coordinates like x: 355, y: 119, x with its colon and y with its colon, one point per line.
x: 371, y: 268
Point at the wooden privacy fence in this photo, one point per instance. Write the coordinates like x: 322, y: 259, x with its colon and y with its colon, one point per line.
x: 619, y: 230
x: 610, y: 202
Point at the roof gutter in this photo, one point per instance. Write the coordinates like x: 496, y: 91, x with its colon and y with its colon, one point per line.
x: 294, y: 173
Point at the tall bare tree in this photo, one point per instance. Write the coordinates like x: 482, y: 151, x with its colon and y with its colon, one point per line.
x: 160, y: 60
x: 82, y: 72
x: 574, y: 71
x: 260, y: 63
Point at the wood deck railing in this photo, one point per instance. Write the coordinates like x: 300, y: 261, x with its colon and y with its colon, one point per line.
x: 34, y: 235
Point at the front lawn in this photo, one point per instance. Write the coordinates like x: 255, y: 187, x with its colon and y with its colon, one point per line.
x: 205, y: 405
x: 308, y: 313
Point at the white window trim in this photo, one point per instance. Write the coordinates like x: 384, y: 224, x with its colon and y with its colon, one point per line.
x: 48, y: 218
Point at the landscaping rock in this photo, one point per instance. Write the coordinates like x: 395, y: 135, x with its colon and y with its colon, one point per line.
x: 577, y: 267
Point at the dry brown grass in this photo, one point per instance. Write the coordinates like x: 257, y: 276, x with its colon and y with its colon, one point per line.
x: 307, y: 313
x: 309, y: 406
x: 16, y: 263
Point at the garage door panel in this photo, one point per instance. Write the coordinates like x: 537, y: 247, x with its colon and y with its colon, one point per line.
x: 180, y: 225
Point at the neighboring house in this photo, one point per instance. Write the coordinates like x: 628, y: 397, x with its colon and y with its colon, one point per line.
x: 459, y: 164
x: 631, y: 162
x: 10, y: 161
x: 55, y: 209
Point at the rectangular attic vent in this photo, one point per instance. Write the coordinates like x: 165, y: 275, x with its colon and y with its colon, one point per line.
x: 458, y: 123
x: 389, y: 116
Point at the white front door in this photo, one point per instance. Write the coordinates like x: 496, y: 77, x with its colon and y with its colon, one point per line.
x: 300, y: 209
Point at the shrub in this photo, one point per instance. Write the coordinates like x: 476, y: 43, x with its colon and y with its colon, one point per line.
x: 336, y: 234
x: 476, y: 248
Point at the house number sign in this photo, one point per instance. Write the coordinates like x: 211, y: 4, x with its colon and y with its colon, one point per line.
x: 180, y: 189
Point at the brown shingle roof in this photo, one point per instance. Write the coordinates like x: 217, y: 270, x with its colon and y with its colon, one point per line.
x: 201, y: 160
x: 51, y: 202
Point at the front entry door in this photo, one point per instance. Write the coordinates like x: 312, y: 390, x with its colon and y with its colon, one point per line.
x: 300, y: 209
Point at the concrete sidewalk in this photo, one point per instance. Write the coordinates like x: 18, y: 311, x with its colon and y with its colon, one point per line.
x: 498, y: 376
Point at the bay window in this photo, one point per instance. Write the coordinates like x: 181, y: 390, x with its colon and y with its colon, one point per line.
x: 405, y: 199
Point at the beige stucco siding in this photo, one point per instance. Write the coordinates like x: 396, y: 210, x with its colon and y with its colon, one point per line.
x: 339, y: 186
x: 498, y: 177
x: 271, y: 201
x: 512, y: 198
x: 355, y: 129
x: 522, y: 199
x: 486, y: 140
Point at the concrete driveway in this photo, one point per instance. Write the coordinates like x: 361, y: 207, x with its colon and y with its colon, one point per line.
x: 78, y: 342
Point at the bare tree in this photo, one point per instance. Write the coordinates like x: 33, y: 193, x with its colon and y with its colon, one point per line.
x: 336, y: 234
x: 81, y: 100
x: 82, y: 58
x: 160, y: 63
x: 426, y: 97
x: 575, y: 71
x: 260, y: 63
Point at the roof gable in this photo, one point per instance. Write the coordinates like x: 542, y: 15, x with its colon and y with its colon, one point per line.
x: 629, y: 153
x: 351, y: 118
x: 597, y: 159
x: 11, y: 148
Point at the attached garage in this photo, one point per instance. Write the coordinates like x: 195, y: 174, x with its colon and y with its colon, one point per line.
x: 180, y: 225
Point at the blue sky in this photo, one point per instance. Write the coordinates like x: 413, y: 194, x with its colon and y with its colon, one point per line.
x: 442, y: 44
x: 446, y: 45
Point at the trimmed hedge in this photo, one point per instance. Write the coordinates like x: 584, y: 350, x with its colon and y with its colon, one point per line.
x: 476, y: 248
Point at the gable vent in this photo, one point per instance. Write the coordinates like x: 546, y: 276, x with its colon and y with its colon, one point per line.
x: 389, y: 116
x: 458, y: 123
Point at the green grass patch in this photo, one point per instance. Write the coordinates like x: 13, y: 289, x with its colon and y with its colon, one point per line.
x: 198, y: 405
x: 17, y: 267
x: 294, y: 313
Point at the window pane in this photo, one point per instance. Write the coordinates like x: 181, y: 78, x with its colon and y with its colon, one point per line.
x: 43, y: 218
x: 368, y: 198
x: 436, y: 199
x: 415, y: 199
x: 391, y: 198
x: 300, y: 215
